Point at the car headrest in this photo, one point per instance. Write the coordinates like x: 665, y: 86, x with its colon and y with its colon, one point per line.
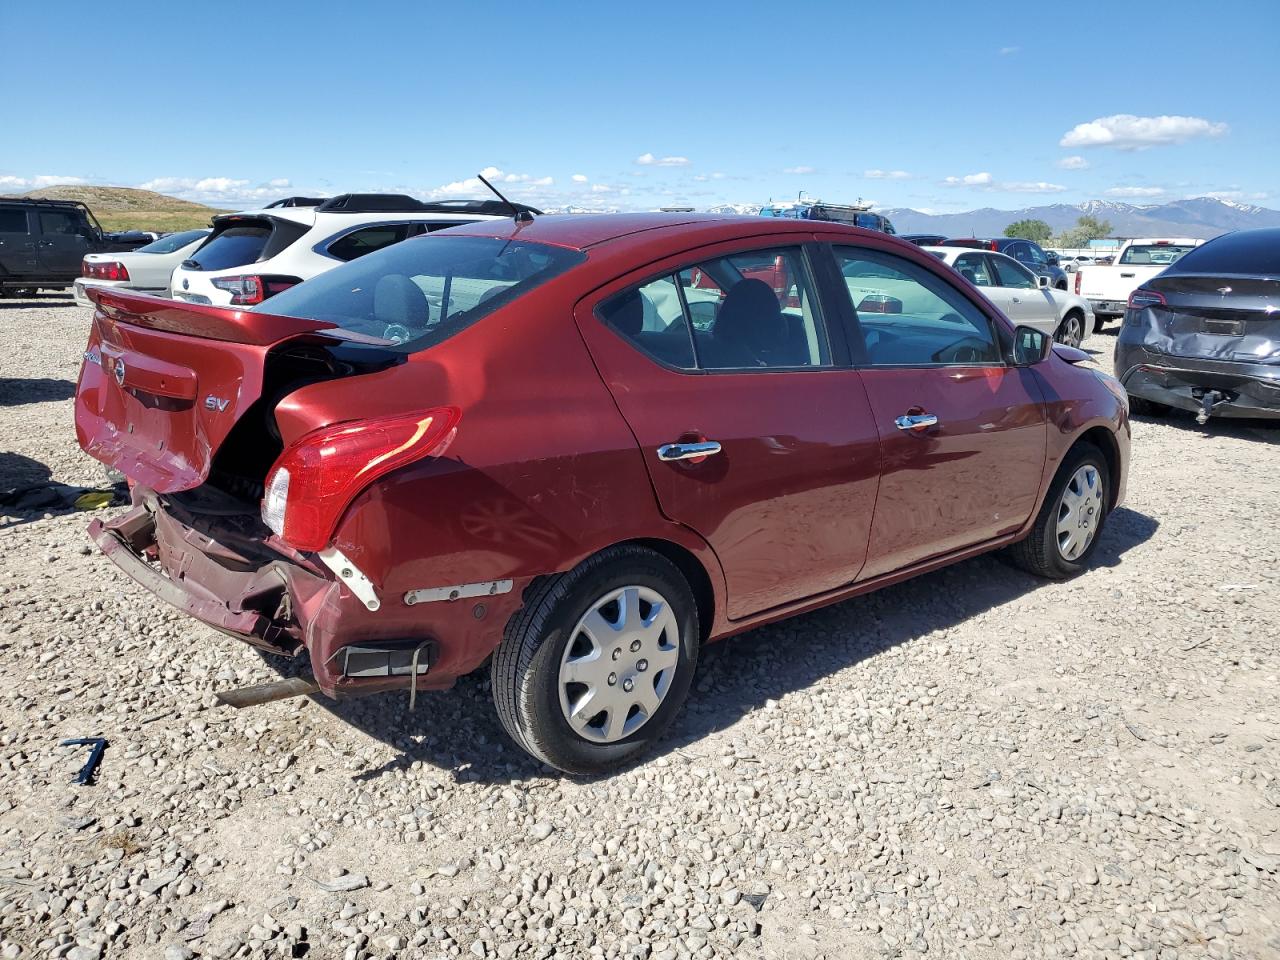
x: 751, y: 315
x: 397, y: 299
x: 626, y: 313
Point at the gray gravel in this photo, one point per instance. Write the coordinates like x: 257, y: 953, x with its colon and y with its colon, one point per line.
x: 974, y: 764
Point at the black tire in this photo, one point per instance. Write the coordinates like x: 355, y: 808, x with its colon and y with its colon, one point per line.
x: 1142, y: 407
x: 1098, y: 323
x: 525, y: 673
x: 1039, y: 552
x: 1071, y: 330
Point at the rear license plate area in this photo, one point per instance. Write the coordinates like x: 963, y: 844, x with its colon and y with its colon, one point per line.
x: 1222, y: 328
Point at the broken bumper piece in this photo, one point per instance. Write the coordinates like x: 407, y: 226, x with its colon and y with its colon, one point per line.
x: 1208, y: 387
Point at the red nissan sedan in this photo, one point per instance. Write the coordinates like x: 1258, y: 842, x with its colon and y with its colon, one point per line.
x: 584, y: 447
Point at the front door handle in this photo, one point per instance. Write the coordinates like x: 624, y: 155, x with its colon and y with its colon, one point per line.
x: 916, y: 421
x: 688, y: 451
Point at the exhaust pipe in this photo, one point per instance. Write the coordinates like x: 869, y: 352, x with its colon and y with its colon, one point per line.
x: 268, y: 692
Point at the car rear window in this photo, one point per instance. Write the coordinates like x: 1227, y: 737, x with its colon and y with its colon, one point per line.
x: 174, y: 241
x: 424, y: 290
x: 237, y: 242
x: 1246, y: 252
x: 1154, y: 253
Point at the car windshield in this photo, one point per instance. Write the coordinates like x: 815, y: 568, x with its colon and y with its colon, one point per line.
x: 422, y: 291
x: 1152, y: 253
x: 174, y: 241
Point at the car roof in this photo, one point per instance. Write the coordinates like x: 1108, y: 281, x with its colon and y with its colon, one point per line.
x: 583, y: 231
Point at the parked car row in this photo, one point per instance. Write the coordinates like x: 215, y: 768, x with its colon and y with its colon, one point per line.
x: 580, y: 447
x: 1108, y: 286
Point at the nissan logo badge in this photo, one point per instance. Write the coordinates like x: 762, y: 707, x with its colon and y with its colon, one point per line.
x: 120, y: 372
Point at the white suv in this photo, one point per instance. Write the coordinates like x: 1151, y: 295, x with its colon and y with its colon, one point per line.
x: 253, y: 255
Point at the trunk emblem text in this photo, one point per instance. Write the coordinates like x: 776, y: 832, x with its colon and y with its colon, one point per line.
x: 92, y: 357
x: 216, y: 404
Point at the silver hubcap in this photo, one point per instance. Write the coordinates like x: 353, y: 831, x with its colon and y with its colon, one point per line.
x: 1072, y: 332
x: 619, y: 663
x: 1079, y: 512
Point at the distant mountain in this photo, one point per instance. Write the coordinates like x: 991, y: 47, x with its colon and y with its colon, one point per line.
x: 1202, y: 217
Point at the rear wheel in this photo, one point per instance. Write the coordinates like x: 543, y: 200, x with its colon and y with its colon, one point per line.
x: 1066, y: 531
x: 597, y: 663
x: 1098, y: 323
x: 1071, y: 330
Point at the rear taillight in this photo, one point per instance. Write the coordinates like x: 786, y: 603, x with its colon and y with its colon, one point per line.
x: 316, y: 478
x: 994, y: 246
x: 1077, y: 281
x: 1146, y: 298
x: 103, y: 270
x: 248, y: 290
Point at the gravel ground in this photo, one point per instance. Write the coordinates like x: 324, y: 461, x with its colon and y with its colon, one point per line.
x: 973, y: 764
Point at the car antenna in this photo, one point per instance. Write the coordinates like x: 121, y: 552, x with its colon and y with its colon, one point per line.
x: 521, y: 216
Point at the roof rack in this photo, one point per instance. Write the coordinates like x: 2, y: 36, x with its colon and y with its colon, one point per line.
x: 401, y: 203
x: 296, y: 202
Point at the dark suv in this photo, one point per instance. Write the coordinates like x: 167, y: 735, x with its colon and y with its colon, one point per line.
x: 1029, y: 254
x: 43, y: 241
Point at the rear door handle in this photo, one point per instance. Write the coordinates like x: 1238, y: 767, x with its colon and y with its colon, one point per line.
x: 687, y: 451
x: 916, y: 421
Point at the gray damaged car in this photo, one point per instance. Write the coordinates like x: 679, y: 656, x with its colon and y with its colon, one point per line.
x: 1204, y: 335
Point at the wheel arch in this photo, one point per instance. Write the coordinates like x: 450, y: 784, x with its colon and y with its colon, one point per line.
x: 694, y: 572
x: 1102, y: 438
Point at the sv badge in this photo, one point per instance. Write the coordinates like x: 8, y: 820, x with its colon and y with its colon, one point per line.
x: 216, y: 404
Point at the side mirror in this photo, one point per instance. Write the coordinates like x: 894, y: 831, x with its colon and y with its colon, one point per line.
x: 1044, y: 281
x: 1030, y: 346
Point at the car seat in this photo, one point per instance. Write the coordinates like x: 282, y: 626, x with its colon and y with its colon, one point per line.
x: 397, y: 300
x: 750, y: 330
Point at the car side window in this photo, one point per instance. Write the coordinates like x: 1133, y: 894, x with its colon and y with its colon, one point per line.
x: 13, y: 221
x: 57, y: 222
x: 746, y: 311
x: 1036, y: 255
x: 1013, y: 274
x: 653, y: 318
x: 973, y: 267
x: 359, y: 242
x: 909, y: 317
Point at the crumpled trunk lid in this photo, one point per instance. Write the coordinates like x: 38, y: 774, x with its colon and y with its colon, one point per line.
x: 1234, y: 319
x: 163, y: 383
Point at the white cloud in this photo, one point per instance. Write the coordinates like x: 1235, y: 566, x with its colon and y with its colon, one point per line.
x: 1133, y: 192
x: 649, y: 160
x: 1073, y: 163
x: 579, y: 178
x: 601, y: 188
x: 1005, y: 51
x: 969, y: 180
x: 223, y: 190
x: 1124, y: 131
x: 1028, y: 186
x: 473, y: 186
x: 984, y: 181
x: 886, y: 174
x: 37, y: 183
x: 799, y: 170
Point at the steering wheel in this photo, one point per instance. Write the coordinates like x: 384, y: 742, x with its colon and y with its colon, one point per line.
x: 968, y: 350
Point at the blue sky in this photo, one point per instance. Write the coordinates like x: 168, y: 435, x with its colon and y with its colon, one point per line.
x: 943, y: 107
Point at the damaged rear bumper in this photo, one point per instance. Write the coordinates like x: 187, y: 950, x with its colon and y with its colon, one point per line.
x: 1242, y: 389
x: 266, y: 595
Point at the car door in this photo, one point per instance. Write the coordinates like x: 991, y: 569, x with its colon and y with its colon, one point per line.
x: 1024, y: 299
x: 754, y: 431
x: 976, y: 268
x: 17, y: 245
x: 62, y: 243
x: 962, y: 434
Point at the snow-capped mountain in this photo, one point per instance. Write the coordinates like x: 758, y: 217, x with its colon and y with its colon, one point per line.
x: 1203, y: 217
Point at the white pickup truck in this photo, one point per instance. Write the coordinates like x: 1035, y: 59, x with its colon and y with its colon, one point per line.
x: 1108, y: 287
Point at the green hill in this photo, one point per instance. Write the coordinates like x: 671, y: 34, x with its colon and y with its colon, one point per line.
x: 125, y: 208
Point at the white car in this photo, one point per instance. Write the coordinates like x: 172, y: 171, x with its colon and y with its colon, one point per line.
x: 253, y: 255
x: 1021, y: 296
x: 146, y: 269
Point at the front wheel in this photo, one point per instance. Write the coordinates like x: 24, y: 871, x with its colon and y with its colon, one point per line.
x: 1066, y: 530
x: 1071, y: 330
x: 597, y: 663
